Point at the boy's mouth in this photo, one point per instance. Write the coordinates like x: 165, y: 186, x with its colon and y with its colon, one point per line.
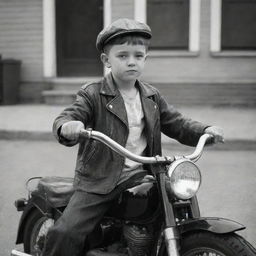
x: 132, y: 71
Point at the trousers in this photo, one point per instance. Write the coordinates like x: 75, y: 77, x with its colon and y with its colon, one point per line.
x: 84, y: 211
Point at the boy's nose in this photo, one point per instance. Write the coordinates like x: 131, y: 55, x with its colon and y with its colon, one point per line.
x: 131, y: 61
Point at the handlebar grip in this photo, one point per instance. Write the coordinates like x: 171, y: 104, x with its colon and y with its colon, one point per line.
x: 199, y: 148
x: 85, y: 133
x: 210, y: 139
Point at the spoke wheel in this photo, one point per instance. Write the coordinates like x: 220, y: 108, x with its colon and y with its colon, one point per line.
x: 210, y: 244
x: 203, y: 243
x: 204, y: 252
x: 35, y: 232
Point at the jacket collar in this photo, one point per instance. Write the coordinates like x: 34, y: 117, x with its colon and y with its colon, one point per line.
x: 109, y: 87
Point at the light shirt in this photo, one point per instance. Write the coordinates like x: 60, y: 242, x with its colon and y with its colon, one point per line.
x: 136, y: 142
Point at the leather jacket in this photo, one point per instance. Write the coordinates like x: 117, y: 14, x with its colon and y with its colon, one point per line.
x: 100, y: 106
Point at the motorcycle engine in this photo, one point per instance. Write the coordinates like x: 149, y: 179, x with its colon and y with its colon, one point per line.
x: 139, y: 240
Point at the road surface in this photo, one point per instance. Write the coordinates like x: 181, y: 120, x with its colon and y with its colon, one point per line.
x: 228, y: 187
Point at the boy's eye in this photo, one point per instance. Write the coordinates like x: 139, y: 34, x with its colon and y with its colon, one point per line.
x: 122, y: 56
x: 139, y: 56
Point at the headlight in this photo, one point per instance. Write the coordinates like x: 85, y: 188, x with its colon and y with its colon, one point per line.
x: 184, y: 179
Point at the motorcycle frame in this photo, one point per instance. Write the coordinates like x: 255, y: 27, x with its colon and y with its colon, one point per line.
x: 171, y: 231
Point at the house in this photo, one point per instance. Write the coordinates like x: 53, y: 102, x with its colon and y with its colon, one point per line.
x: 202, y: 51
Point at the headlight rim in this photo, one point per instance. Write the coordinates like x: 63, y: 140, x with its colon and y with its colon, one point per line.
x: 172, y: 168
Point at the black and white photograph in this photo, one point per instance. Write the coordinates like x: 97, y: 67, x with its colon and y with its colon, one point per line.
x: 127, y: 127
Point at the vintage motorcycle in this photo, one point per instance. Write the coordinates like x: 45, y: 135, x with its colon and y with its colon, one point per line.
x: 159, y: 216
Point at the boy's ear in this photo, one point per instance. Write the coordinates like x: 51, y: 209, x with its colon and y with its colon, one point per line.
x: 105, y: 60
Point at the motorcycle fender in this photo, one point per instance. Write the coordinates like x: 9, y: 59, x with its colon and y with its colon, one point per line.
x: 33, y: 203
x: 213, y: 225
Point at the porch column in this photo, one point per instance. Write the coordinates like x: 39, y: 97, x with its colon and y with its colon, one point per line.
x: 49, y: 38
x: 107, y: 10
x: 194, y: 25
x: 140, y: 10
x: 216, y: 25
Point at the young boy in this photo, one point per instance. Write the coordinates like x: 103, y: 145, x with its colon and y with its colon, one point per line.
x: 129, y: 111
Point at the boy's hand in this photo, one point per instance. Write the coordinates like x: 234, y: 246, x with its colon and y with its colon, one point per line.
x: 217, y: 132
x: 70, y: 130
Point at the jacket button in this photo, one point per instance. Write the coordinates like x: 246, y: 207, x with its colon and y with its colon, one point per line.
x: 155, y: 106
x: 110, y: 106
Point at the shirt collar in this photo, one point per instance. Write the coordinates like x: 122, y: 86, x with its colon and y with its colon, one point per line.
x: 109, y: 87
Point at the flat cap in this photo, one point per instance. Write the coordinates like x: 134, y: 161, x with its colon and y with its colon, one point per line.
x: 122, y: 27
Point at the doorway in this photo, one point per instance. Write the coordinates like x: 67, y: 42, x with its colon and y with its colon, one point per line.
x: 78, y: 23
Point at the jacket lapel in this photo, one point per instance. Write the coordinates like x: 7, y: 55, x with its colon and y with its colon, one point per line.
x: 150, y: 109
x: 116, y: 105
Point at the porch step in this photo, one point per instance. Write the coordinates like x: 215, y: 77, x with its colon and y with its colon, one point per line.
x: 215, y: 94
x: 59, y: 97
x: 63, y: 90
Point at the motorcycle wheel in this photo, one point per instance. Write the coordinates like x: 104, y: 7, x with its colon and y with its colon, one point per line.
x: 209, y: 244
x: 35, y: 231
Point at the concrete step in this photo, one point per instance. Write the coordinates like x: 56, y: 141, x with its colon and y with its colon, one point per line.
x: 59, y: 97
x: 72, y: 83
x: 224, y: 94
x: 63, y: 90
x: 233, y: 94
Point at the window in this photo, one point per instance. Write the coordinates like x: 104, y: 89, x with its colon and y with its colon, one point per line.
x: 169, y: 21
x: 238, y: 29
x: 233, y: 27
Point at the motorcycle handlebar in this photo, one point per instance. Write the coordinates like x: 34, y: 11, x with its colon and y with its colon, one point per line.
x: 90, y: 134
x: 199, y: 147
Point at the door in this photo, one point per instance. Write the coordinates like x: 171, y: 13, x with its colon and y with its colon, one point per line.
x: 78, y: 23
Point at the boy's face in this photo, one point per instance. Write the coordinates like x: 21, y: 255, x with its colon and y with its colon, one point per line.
x: 126, y: 61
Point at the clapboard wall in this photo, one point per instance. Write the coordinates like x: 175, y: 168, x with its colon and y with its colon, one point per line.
x: 21, y: 35
x: 204, y: 66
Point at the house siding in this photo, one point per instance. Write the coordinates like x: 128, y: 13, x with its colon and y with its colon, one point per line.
x: 21, y: 36
x: 203, y: 67
x: 182, y: 78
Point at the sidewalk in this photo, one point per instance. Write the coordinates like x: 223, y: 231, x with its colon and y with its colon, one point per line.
x: 34, y: 122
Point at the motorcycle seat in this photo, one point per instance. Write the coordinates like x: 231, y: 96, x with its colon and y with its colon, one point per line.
x: 56, y: 190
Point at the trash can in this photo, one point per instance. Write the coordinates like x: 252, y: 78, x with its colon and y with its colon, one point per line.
x: 9, y: 81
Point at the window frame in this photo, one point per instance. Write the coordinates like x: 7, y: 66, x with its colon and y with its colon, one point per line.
x: 215, y: 36
x: 140, y: 14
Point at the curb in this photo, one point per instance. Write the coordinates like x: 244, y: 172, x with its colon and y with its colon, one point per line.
x: 230, y: 144
x: 26, y: 135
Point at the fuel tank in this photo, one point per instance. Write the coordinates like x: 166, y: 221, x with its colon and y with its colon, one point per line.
x: 137, y: 204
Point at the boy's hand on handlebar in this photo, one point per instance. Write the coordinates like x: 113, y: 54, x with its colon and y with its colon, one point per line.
x: 216, y: 132
x: 71, y: 130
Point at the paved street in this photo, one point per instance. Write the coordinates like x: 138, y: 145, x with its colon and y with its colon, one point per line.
x: 228, y: 188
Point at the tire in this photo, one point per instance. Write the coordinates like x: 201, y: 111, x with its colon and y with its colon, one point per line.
x: 206, y: 244
x: 36, y: 228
